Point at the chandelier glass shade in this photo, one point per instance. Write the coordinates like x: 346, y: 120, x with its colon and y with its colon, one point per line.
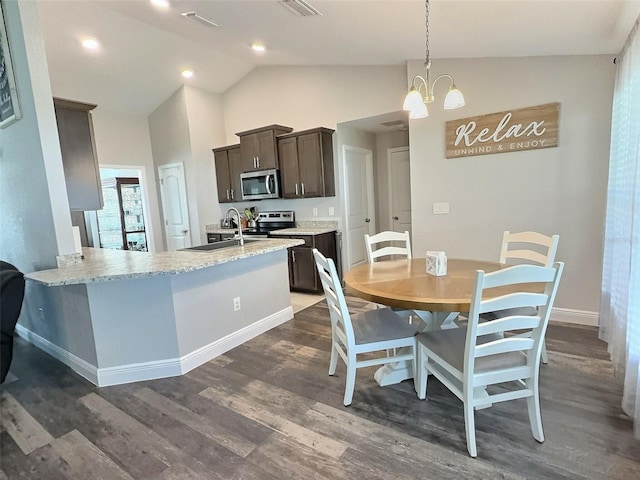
x: 415, y: 103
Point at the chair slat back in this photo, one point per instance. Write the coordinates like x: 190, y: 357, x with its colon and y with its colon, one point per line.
x: 530, y: 329
x: 338, y: 311
x: 529, y: 246
x: 371, y: 242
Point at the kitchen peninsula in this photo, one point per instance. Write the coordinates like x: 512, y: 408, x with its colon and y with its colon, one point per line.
x: 131, y: 316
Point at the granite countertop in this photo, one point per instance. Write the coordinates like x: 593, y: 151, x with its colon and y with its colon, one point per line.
x: 100, y: 264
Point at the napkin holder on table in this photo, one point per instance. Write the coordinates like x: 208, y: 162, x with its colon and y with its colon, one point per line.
x: 436, y: 263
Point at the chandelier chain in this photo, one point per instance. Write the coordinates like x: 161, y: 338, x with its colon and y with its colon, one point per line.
x: 426, y: 29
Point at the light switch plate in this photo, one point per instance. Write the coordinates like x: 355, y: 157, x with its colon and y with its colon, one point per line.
x: 441, y: 208
x: 331, y: 212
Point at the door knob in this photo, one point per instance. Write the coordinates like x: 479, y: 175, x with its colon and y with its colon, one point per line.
x: 185, y: 231
x: 396, y: 218
x: 367, y: 220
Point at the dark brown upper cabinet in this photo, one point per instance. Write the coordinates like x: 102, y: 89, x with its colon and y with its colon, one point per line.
x: 306, y: 163
x: 79, y: 160
x: 258, y: 147
x: 228, y: 169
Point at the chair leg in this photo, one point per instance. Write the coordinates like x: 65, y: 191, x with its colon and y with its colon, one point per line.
x: 351, y: 382
x: 533, y: 406
x: 334, y: 359
x: 470, y: 428
x: 544, y: 357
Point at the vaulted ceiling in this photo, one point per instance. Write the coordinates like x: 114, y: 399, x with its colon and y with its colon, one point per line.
x: 143, y: 49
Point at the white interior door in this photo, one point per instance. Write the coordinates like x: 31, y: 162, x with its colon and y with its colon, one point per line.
x: 173, y: 191
x: 359, y: 202
x: 399, y: 189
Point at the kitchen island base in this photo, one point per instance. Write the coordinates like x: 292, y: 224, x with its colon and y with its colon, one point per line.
x: 165, y: 325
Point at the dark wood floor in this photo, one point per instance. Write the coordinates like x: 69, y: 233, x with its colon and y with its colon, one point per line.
x: 268, y: 410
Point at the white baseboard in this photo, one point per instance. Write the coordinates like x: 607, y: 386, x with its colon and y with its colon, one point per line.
x: 580, y: 317
x: 137, y: 372
x: 78, y: 365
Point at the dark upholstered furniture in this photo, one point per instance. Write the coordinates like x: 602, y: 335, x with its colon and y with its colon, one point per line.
x: 11, y: 297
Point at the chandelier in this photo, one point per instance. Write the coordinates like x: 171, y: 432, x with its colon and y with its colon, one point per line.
x: 414, y: 102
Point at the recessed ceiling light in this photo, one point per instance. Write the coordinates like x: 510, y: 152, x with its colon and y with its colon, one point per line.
x: 258, y: 47
x: 90, y: 43
x: 187, y: 73
x: 160, y: 3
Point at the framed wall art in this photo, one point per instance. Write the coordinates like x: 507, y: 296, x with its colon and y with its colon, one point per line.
x: 9, y: 106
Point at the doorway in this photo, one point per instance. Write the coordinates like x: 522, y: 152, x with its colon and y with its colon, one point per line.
x: 121, y: 222
x: 359, y: 209
x: 399, y: 189
x: 175, y: 210
x: 138, y: 173
x: 378, y: 135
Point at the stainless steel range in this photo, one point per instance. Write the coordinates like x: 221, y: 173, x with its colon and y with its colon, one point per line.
x: 269, y: 221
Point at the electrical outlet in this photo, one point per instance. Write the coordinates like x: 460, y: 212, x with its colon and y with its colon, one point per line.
x: 332, y: 212
x: 236, y: 304
x: 315, y: 212
x: 441, y: 208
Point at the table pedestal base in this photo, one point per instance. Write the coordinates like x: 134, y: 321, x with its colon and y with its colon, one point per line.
x: 393, y: 373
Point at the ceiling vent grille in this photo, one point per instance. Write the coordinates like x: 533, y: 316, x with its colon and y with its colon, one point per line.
x: 300, y: 7
x: 196, y: 17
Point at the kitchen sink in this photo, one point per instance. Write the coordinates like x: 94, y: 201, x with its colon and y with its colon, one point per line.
x: 233, y: 242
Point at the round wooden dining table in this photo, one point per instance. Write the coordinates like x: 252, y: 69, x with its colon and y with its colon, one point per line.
x: 405, y: 284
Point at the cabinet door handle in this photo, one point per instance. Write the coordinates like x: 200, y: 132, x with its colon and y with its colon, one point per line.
x: 232, y: 194
x: 228, y: 198
x: 296, y: 189
x: 293, y: 255
x: 258, y: 161
x: 302, y: 186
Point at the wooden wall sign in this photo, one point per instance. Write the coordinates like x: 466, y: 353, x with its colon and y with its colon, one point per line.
x: 528, y: 128
x: 9, y: 107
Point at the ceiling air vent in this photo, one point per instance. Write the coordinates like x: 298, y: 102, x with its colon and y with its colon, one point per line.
x: 196, y: 17
x: 300, y: 7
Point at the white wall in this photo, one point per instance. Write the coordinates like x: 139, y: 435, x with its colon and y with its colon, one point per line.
x: 123, y: 140
x: 555, y: 190
x: 206, y: 129
x: 185, y: 128
x: 558, y: 190
x: 170, y: 143
x: 36, y: 222
x: 308, y: 97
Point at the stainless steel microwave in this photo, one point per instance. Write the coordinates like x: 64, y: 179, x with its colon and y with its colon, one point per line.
x: 260, y: 185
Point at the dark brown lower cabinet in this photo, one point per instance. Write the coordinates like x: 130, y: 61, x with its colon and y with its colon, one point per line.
x: 303, y: 275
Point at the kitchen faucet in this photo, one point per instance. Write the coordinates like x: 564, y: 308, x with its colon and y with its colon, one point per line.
x: 226, y: 216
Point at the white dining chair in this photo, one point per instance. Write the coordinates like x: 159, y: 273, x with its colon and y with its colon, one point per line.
x: 468, y: 359
x: 370, y: 331
x: 390, y: 240
x: 393, y: 243
x: 528, y: 247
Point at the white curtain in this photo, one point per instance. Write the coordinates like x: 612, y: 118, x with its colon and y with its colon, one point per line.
x: 620, y: 305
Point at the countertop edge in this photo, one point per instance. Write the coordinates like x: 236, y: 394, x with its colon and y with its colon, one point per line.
x: 151, y: 264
